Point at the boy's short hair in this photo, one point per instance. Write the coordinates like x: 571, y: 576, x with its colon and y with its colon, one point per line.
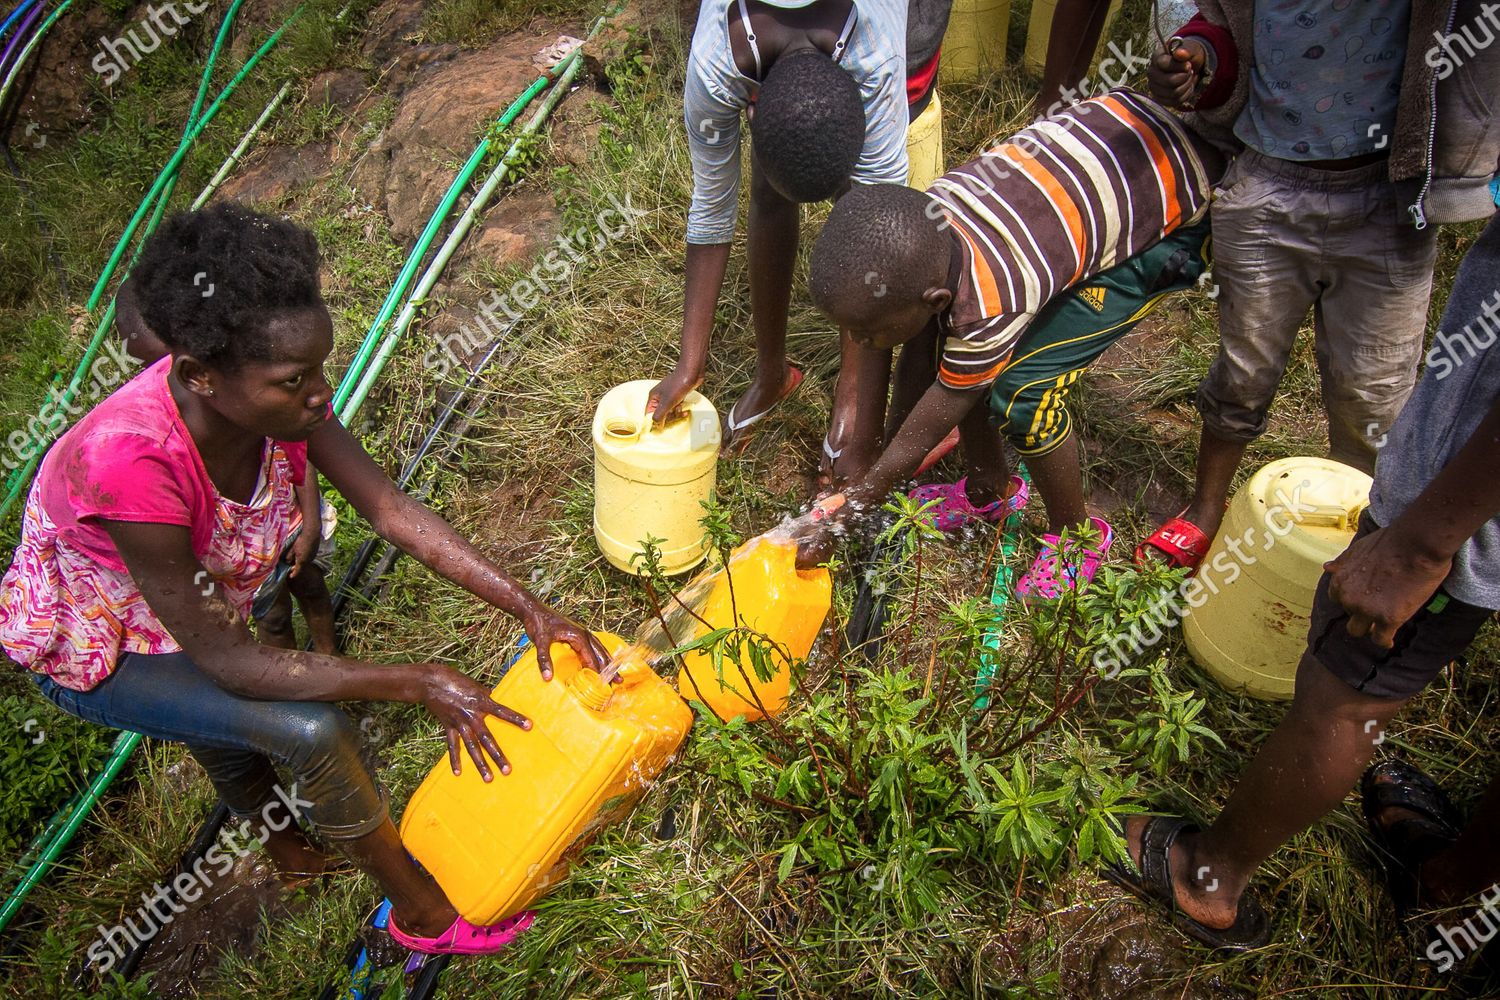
x: 880, y: 246
x: 809, y: 126
x: 208, y: 281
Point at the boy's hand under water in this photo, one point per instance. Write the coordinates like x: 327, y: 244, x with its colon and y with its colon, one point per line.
x: 814, y: 532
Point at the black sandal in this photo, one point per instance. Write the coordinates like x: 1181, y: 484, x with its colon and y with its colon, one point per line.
x: 1406, y: 843
x: 1153, y: 883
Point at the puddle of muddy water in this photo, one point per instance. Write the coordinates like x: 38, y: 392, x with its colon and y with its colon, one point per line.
x: 187, y: 952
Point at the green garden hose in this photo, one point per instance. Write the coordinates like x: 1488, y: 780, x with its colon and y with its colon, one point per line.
x: 15, y: 69
x: 49, y: 845
x: 999, y: 599
x: 355, y: 371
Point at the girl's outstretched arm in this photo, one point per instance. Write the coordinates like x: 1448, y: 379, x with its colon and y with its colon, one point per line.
x: 188, y: 602
x: 412, y: 527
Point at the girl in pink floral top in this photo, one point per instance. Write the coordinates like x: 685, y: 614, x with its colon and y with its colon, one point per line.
x: 148, y: 531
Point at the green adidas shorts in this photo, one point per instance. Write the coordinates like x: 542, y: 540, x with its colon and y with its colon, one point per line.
x: 1029, y: 400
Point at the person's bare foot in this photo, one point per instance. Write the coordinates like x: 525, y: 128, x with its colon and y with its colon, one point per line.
x: 1207, y: 516
x: 1212, y: 907
x: 762, y: 396
x: 1436, y: 889
x: 297, y: 861
x: 982, y: 494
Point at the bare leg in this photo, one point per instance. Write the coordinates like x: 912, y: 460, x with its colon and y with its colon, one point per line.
x: 1218, y: 460
x: 989, y: 473
x: 916, y: 370
x: 419, y: 906
x: 293, y: 855
x: 311, y: 590
x: 1305, y: 768
x: 1076, y: 27
x: 1470, y: 865
x: 773, y: 233
x: 1059, y: 481
x: 275, y: 627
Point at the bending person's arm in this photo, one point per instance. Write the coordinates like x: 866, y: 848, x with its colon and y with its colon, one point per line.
x: 940, y: 409
x: 412, y: 527
x: 713, y: 134
x: 161, y: 561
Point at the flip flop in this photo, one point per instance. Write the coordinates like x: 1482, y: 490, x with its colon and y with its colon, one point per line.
x: 1181, y: 541
x: 936, y: 455
x: 1056, y: 570
x: 1406, y: 843
x: 954, y: 507
x: 1152, y: 882
x: 735, y: 440
x: 464, y: 938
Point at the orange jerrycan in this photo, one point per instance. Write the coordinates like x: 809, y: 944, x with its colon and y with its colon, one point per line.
x: 592, y: 751
x: 774, y: 599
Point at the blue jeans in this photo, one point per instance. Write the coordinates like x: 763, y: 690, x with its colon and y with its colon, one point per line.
x: 239, y: 741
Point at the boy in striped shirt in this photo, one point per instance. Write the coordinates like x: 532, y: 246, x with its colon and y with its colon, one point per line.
x: 1005, y: 279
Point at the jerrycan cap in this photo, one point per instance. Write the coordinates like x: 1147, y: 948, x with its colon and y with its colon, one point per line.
x: 590, y: 690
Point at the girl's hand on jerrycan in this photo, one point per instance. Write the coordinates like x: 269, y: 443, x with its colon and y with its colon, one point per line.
x: 460, y: 703
x: 665, y: 400
x: 546, y: 626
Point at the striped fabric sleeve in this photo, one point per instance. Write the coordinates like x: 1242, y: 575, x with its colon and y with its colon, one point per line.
x: 1059, y: 202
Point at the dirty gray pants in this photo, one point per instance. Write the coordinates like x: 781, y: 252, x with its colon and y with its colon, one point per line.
x: 1287, y: 238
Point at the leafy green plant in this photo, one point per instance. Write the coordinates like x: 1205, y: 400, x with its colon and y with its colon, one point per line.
x: 44, y: 756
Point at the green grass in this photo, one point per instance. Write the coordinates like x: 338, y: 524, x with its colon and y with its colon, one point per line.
x: 711, y: 911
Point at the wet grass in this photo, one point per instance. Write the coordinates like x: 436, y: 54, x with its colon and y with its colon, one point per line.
x: 685, y: 898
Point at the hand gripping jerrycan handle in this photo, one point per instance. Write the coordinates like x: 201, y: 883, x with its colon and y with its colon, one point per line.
x: 625, y: 429
x: 651, y: 481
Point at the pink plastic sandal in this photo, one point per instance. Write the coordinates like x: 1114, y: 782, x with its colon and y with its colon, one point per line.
x: 954, y: 507
x: 1052, y: 573
x: 464, y: 938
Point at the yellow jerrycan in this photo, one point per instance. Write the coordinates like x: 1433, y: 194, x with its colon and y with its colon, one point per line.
x: 1257, y: 593
x: 1039, y: 35
x: 974, y: 44
x: 592, y: 751
x: 651, y: 482
x: 924, y: 145
x: 774, y: 599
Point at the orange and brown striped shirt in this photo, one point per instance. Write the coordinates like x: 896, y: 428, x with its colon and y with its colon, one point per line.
x: 1062, y: 200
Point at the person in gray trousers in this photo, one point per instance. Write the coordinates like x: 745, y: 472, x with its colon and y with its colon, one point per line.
x: 1356, y: 131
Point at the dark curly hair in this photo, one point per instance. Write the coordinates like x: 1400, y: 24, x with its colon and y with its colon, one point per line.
x: 882, y: 244
x: 207, y: 281
x: 809, y: 126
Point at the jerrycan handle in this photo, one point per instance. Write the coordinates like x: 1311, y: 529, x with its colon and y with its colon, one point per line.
x: 1333, y: 515
x: 702, y: 426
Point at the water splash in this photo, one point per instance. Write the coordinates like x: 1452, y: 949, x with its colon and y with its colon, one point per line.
x: 681, y: 618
